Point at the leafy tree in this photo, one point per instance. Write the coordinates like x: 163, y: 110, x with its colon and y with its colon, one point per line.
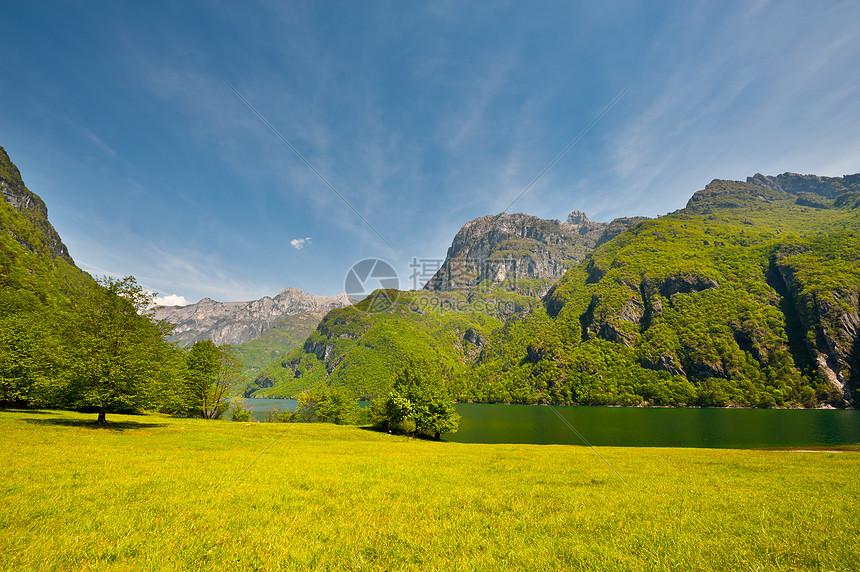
x: 327, y: 405
x: 212, y: 375
x: 393, y: 412
x: 418, y: 403
x: 118, y: 359
x: 30, y: 356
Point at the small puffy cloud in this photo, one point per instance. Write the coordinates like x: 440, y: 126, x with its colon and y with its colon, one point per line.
x: 171, y: 300
x: 300, y: 243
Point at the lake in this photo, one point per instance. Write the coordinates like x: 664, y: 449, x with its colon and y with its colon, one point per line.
x: 639, y: 427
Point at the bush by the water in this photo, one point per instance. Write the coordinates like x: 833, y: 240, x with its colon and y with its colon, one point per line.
x: 327, y: 405
x: 418, y: 404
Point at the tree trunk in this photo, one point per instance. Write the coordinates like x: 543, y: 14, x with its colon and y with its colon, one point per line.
x: 102, y: 418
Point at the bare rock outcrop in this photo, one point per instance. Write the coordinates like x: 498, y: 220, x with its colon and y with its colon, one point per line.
x: 511, y: 247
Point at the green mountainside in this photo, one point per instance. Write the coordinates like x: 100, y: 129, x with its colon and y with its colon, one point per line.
x: 30, y: 207
x: 728, y: 302
x: 285, y: 335
x: 357, y: 347
x: 32, y: 256
x: 746, y: 297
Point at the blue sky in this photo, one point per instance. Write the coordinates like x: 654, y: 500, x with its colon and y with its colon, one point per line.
x: 423, y: 115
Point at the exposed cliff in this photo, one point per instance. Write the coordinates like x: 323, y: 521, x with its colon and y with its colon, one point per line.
x: 525, y: 252
x: 826, y: 307
x: 239, y: 322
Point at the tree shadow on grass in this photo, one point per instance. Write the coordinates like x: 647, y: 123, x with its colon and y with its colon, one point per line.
x: 373, y: 428
x: 92, y: 424
x: 419, y: 437
x: 30, y: 411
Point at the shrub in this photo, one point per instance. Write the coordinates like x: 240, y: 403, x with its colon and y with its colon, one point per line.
x: 327, y: 405
x: 239, y: 413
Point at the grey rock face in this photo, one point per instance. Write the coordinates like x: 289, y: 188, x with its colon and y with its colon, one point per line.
x: 686, y: 284
x: 239, y: 322
x: 510, y: 247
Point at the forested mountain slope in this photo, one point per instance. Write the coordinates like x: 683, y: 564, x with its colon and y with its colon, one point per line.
x: 361, y: 348
x: 32, y: 255
x: 285, y: 335
x: 746, y: 297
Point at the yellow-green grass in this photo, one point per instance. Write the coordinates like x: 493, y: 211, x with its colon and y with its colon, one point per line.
x: 152, y: 493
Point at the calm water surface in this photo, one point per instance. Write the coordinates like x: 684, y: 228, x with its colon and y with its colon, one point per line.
x: 640, y: 427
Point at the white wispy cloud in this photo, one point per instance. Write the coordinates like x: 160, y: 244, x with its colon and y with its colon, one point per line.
x: 764, y: 91
x: 300, y: 243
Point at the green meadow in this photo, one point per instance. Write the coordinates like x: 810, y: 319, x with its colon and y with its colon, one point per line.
x: 151, y: 492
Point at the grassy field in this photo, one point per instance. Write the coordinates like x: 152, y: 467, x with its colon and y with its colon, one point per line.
x: 156, y: 493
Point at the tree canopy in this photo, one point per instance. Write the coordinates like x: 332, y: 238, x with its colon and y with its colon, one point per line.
x: 121, y: 362
x: 418, y: 403
x: 212, y: 375
x: 327, y: 405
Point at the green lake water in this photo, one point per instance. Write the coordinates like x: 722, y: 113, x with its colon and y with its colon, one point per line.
x: 640, y: 427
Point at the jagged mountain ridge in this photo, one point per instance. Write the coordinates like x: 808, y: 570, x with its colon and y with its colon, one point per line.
x: 795, y: 184
x: 239, y: 322
x: 527, y: 252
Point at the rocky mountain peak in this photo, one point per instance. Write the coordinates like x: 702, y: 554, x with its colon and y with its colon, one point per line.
x: 577, y: 218
x: 508, y: 247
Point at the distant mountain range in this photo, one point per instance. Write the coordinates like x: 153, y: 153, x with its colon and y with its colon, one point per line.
x: 239, y: 322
